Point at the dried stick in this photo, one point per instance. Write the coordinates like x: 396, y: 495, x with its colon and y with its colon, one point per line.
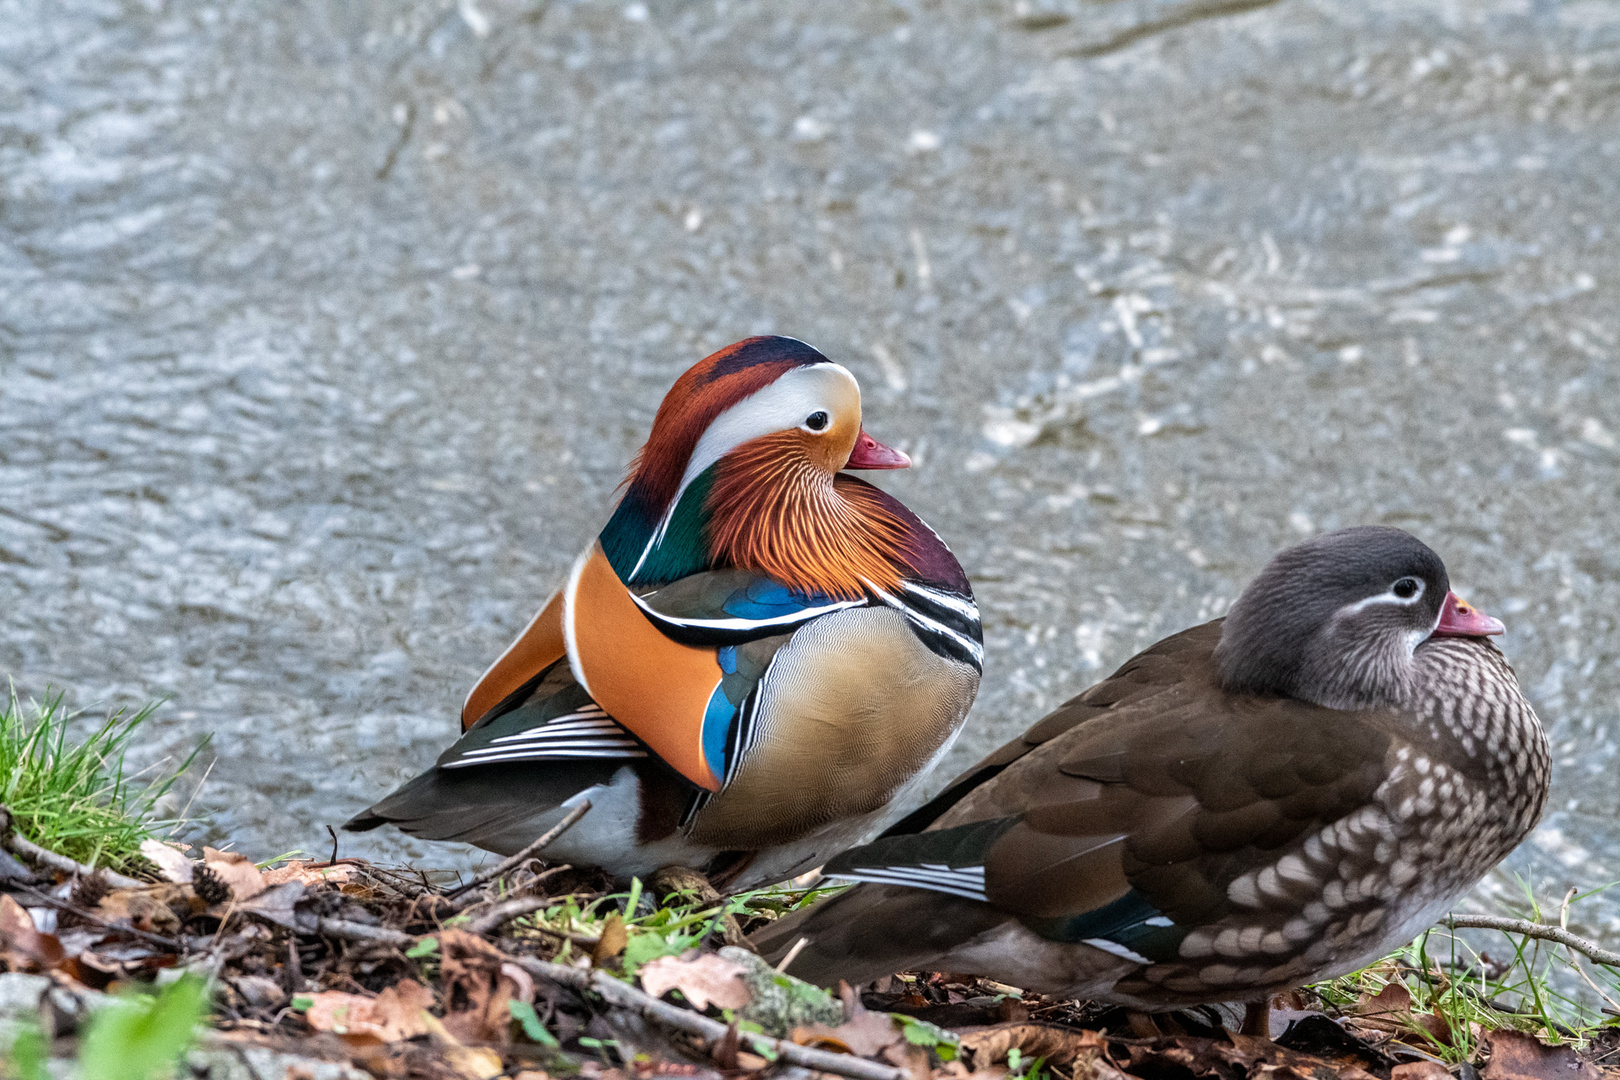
x: 503, y: 913
x: 628, y: 997
x: 24, y: 846
x: 96, y: 920
x: 353, y: 931
x: 792, y: 954
x: 508, y: 865
x: 467, y: 904
x: 1541, y: 931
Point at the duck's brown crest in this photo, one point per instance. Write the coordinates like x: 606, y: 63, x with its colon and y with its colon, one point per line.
x: 707, y: 389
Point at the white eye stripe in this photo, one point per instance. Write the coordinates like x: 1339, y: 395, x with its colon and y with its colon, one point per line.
x: 1388, y: 596
x: 786, y: 403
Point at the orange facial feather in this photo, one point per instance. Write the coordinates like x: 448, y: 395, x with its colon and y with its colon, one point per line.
x: 774, y: 510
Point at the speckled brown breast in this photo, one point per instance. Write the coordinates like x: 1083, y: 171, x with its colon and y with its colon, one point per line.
x: 1465, y: 783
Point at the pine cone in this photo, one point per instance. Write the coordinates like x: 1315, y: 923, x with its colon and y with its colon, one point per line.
x: 210, y: 888
x: 85, y: 895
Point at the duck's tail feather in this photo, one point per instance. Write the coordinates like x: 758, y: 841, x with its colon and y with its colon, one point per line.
x: 871, y: 931
x: 496, y: 807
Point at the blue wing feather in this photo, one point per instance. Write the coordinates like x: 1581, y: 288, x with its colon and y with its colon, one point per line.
x: 731, y: 607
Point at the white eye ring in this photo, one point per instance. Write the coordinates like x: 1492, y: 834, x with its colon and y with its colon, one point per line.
x: 1408, y: 590
x: 817, y: 421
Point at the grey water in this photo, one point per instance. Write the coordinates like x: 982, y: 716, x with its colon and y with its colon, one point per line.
x: 327, y: 330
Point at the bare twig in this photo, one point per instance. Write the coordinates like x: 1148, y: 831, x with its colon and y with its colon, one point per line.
x: 503, y: 913
x: 23, y: 846
x: 628, y: 997
x: 467, y: 904
x: 792, y: 954
x: 353, y: 931
x: 1541, y: 932
x: 96, y: 920
x: 1179, y: 15
x: 584, y: 941
x: 508, y: 865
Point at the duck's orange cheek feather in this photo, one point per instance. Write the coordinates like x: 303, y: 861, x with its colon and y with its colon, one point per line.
x: 657, y: 688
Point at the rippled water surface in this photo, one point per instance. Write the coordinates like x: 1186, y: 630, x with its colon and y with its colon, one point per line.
x: 327, y: 329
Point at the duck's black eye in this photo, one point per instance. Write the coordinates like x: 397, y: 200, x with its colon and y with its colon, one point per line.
x: 816, y: 421
x: 1406, y: 588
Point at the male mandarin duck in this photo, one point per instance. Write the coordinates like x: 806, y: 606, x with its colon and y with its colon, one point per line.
x: 1269, y: 799
x: 749, y: 664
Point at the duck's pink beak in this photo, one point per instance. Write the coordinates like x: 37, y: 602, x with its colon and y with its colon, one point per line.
x: 871, y: 454
x: 1459, y: 618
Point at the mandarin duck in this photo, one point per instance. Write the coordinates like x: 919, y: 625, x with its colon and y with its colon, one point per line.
x: 754, y: 659
x: 1262, y: 801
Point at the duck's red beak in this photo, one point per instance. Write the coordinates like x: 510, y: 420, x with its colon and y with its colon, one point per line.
x: 1459, y: 618
x: 871, y: 454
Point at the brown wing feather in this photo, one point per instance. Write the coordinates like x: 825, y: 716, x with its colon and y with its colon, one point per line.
x: 1284, y: 842
x: 1162, y: 789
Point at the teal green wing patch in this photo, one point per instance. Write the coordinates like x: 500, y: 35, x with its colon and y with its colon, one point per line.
x: 963, y: 861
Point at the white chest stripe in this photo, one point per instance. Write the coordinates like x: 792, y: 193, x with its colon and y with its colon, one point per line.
x: 802, y: 615
x: 967, y: 644
x: 963, y: 607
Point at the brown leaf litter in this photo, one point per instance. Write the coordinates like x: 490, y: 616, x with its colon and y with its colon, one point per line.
x: 704, y: 980
x: 349, y: 961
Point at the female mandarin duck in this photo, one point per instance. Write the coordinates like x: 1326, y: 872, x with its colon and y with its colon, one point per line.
x: 1263, y: 801
x: 751, y: 662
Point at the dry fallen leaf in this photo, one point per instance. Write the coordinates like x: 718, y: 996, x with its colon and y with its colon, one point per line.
x: 22, y: 945
x: 955, y: 1070
x: 396, y: 1013
x: 470, y: 1062
x: 1060, y: 1045
x: 613, y: 940
x: 865, y: 1033
x: 278, y: 905
x: 1253, y: 1056
x: 259, y: 991
x: 154, y: 908
x: 1517, y: 1056
x: 478, y: 987
x: 305, y: 874
x: 1390, y: 1010
x: 237, y: 871
x: 168, y: 858
x: 1392, y: 1001
x: 704, y: 980
x: 1319, y: 1036
x: 1420, y: 1070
